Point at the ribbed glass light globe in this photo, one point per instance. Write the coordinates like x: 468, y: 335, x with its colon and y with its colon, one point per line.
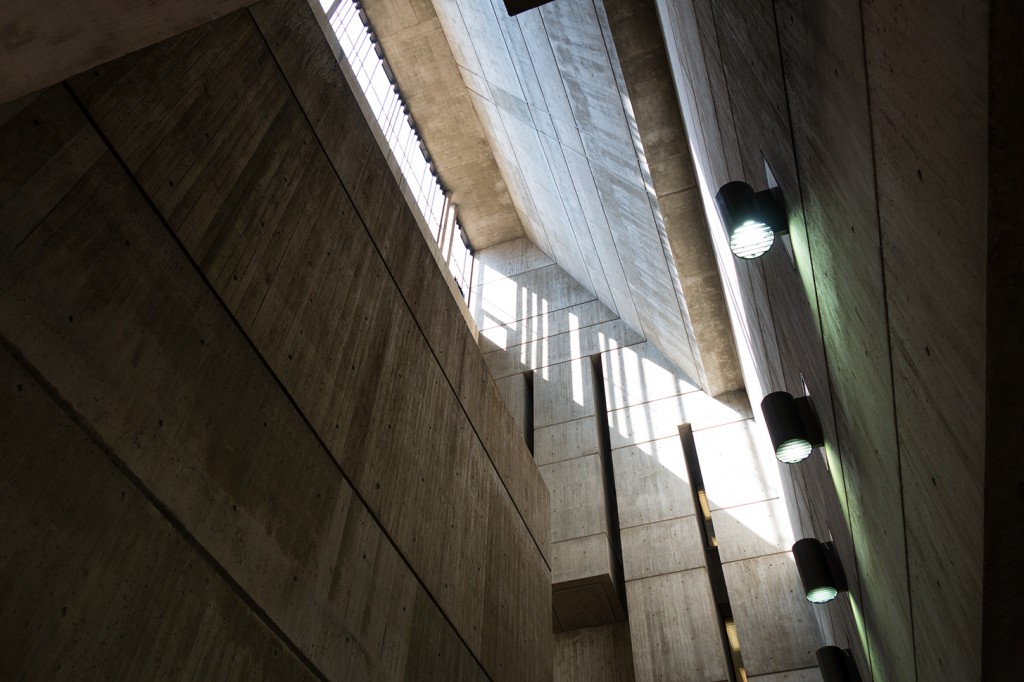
x: 751, y: 239
x: 820, y: 595
x: 793, y: 450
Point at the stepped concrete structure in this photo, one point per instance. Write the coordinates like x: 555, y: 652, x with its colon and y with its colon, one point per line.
x: 252, y: 429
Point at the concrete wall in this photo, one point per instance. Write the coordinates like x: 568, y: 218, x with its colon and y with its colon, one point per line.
x: 248, y: 433
x: 872, y: 117
x: 533, y: 316
x: 599, y: 654
x: 45, y: 44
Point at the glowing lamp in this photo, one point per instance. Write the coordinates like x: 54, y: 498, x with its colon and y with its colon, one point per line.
x: 793, y: 426
x: 751, y: 219
x: 820, y: 570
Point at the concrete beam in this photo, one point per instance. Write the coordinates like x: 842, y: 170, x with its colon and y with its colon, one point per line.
x: 648, y: 76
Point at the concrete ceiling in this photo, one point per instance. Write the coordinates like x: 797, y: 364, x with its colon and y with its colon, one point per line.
x: 543, y: 98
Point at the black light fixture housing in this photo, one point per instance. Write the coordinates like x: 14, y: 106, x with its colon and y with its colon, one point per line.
x: 751, y: 219
x: 820, y: 570
x: 837, y: 665
x: 793, y: 425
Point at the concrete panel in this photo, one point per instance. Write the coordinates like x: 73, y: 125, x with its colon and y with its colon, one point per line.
x: 565, y: 441
x: 662, y: 547
x: 661, y: 418
x: 646, y: 73
x: 104, y: 561
x: 674, y: 627
x: 640, y: 374
x: 853, y: 314
x: 583, y: 577
x: 512, y: 258
x: 643, y: 258
x: 773, y: 618
x: 751, y: 530
x: 580, y: 559
x: 577, y: 497
x: 289, y: 311
x: 561, y: 348
x: 180, y: 444
x: 560, y: 63
x: 577, y: 317
x: 512, y: 579
x: 515, y: 298
x: 576, y: 214
x: 67, y: 38
x: 563, y: 392
x: 513, y: 391
x: 519, y: 475
x: 303, y: 299
x: 736, y: 471
x: 33, y: 183
x: 651, y: 482
x: 555, y: 100
x: 309, y: 57
x: 582, y: 59
x: 544, y: 324
x: 603, y: 235
x: 930, y: 128
x: 541, y: 184
x: 598, y: 654
x: 585, y: 604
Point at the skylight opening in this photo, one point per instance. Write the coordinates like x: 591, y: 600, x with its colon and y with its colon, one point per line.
x: 359, y: 47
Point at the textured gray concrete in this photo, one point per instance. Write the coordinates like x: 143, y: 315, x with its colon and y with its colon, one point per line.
x: 44, y: 45
x: 226, y: 314
x: 867, y: 116
x: 599, y: 654
x: 675, y: 627
x: 645, y: 70
x: 873, y: 118
x: 773, y: 618
x: 646, y: 399
x: 432, y: 86
x: 518, y: 295
x: 555, y: 111
x: 104, y: 560
x: 653, y: 478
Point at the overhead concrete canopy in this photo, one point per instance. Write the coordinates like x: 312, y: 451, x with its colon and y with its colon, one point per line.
x: 536, y: 127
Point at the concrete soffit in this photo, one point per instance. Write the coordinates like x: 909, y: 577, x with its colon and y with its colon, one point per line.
x: 646, y: 70
x: 520, y: 135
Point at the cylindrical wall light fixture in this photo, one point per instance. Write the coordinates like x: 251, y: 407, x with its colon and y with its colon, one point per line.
x: 793, y: 426
x: 751, y: 219
x: 820, y: 570
x: 837, y: 665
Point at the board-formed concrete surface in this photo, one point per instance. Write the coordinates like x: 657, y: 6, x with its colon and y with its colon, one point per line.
x: 44, y: 45
x: 536, y: 304
x: 231, y: 321
x: 644, y: 401
x: 867, y: 117
x: 555, y: 113
x: 599, y: 654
